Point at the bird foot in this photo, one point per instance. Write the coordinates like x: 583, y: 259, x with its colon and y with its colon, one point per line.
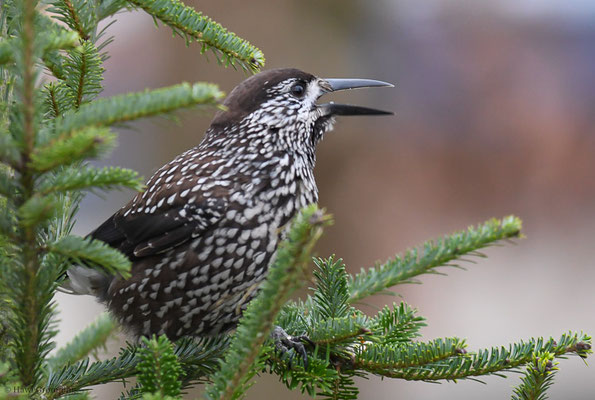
x: 284, y: 343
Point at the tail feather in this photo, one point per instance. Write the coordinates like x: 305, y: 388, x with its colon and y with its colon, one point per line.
x: 84, y: 280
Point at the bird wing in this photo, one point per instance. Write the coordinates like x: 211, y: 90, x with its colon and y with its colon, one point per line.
x: 164, y: 216
x: 143, y: 234
x: 150, y: 234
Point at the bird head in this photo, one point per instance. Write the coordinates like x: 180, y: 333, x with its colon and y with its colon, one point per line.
x: 282, y: 106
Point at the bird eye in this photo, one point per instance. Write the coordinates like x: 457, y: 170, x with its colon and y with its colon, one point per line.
x: 298, y: 90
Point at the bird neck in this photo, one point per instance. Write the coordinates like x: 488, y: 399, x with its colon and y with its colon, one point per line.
x: 262, y: 141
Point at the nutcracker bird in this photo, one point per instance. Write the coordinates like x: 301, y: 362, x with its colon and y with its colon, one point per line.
x: 204, y: 232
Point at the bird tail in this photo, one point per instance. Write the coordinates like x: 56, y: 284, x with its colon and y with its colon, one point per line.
x: 85, y: 280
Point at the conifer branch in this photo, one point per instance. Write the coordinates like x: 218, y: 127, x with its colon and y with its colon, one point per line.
x: 92, y: 253
x: 318, y: 378
x: 59, y: 40
x: 200, y: 358
x: 159, y: 369
x: 190, y: 24
x: 380, y: 359
x: 415, y: 262
x: 7, y: 50
x: 128, y: 107
x: 338, y: 331
x: 109, y: 7
x: 78, y: 15
x: 32, y: 313
x: 331, y: 296
x: 54, y: 62
x: 8, y: 185
x: 496, y: 360
x: 399, y: 325
x: 538, y: 378
x: 84, y: 343
x: 197, y: 358
x: 37, y: 210
x: 241, y: 362
x: 73, y: 378
x: 28, y: 37
x: 9, y: 151
x: 77, y: 26
x: 70, y: 148
x: 83, y: 71
x: 90, y: 178
x: 50, y: 55
x: 51, y: 100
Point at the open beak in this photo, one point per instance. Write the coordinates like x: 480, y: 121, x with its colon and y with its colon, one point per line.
x: 333, y: 85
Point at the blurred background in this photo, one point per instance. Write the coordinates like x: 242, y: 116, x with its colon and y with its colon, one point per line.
x: 494, y: 115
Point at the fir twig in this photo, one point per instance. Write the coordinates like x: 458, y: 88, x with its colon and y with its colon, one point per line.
x: 71, y: 147
x: 158, y: 370
x: 91, y: 253
x: 83, y: 72
x: 74, y: 16
x: 31, y: 314
x: 53, y: 109
x: 537, y: 379
x: 7, y: 50
x: 74, y: 378
x: 442, y: 252
x: 90, y: 178
x: 399, y: 325
x: 78, y: 15
x: 54, y: 62
x: 197, y: 358
x: 128, y: 107
x: 331, y: 295
x: 85, y: 342
x: 58, y: 40
x: 189, y: 23
x: 495, y: 360
x: 380, y: 359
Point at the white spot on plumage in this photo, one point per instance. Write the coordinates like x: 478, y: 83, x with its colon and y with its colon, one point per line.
x: 171, y: 199
x: 216, y: 263
x: 259, y: 258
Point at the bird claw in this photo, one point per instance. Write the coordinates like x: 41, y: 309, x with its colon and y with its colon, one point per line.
x: 284, y: 343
